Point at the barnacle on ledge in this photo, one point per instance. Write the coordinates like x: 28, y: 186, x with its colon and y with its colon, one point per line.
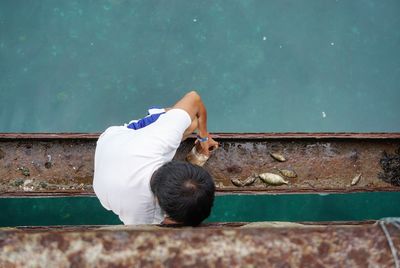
x: 240, y: 183
x: 390, y: 164
x: 356, y: 179
x: 278, y: 157
x: 272, y: 179
x: 288, y: 173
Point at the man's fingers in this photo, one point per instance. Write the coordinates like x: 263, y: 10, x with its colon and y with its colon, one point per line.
x: 205, y: 149
x: 215, y: 144
x: 208, y: 146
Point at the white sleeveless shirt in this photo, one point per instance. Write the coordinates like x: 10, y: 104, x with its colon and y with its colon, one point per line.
x: 125, y: 160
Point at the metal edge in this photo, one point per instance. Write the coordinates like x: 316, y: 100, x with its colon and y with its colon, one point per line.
x: 219, y: 192
x: 251, y: 136
x: 210, y: 225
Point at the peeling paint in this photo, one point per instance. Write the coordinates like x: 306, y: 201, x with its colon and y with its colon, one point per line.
x: 278, y: 245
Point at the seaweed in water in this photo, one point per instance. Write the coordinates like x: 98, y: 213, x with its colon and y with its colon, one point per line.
x: 390, y: 164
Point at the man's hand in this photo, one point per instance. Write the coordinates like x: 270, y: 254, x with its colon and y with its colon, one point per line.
x: 194, y: 106
x: 207, y: 146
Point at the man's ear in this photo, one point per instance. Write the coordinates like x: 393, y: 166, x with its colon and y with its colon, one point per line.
x: 168, y: 221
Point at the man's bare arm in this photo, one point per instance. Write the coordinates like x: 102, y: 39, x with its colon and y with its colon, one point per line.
x: 195, y: 107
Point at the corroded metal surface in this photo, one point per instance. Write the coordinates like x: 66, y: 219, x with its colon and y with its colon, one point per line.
x: 62, y: 164
x: 59, y: 165
x: 281, y: 246
x: 273, y: 135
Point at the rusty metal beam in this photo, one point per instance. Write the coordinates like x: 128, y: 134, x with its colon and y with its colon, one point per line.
x: 62, y: 164
x: 272, y: 135
x: 254, y: 245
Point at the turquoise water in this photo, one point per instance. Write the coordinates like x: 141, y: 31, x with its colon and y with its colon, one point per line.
x: 260, y: 66
x: 227, y: 208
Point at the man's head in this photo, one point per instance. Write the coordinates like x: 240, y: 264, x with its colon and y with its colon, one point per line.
x: 184, y: 191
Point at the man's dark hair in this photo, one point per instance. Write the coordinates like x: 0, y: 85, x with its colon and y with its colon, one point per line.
x: 184, y: 191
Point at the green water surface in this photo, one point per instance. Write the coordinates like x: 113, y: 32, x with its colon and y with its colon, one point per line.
x: 227, y: 208
x: 260, y: 65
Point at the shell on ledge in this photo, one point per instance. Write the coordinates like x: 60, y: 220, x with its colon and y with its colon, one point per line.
x: 272, y: 179
x: 278, y: 157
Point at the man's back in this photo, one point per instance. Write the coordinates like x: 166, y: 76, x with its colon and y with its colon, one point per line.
x: 125, y: 160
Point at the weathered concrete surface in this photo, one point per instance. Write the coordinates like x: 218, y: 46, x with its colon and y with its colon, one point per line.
x: 62, y: 164
x: 359, y: 245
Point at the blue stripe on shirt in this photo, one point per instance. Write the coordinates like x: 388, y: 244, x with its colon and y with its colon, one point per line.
x: 141, y: 123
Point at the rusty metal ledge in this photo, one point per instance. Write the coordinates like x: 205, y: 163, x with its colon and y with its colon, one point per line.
x: 253, y: 245
x: 61, y: 164
x: 271, y: 135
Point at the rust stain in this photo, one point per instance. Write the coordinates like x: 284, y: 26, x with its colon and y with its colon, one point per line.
x: 356, y: 245
x: 273, y: 135
x: 62, y: 164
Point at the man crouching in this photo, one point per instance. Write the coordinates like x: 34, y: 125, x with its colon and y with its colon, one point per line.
x: 135, y: 177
